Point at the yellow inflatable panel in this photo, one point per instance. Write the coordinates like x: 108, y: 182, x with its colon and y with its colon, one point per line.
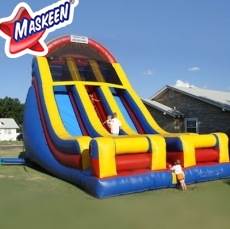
x: 174, y: 179
x: 73, y: 70
x: 131, y: 144
x: 106, y: 157
x: 114, y: 107
x: 96, y: 71
x: 189, y: 151
x: 91, y: 113
x: 158, y: 146
x: 223, y: 147
x: 49, y: 98
x: 203, y: 141
x: 52, y: 109
x: 138, y: 101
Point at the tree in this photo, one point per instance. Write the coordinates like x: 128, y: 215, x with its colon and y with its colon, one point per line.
x: 12, y: 108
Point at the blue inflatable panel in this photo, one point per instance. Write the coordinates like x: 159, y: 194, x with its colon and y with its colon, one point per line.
x: 191, y: 175
x: 20, y: 161
x: 66, y: 111
x: 206, y: 173
x: 174, y: 144
x: 66, y: 146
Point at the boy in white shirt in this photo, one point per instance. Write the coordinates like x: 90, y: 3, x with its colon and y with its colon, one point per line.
x: 177, y: 169
x: 115, y: 125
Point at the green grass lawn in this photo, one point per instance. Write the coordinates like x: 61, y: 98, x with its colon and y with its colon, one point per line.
x: 3, y: 143
x: 30, y: 198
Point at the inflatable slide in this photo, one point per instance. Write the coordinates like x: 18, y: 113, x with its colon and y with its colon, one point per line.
x: 65, y: 131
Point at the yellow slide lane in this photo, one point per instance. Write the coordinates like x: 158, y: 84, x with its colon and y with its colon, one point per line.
x: 90, y: 111
x: 51, y: 105
x: 73, y: 70
x: 114, y: 107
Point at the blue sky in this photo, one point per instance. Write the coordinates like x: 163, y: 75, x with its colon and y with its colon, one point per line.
x: 158, y: 43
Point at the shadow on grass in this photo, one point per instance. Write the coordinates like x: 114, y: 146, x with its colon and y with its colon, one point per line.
x: 33, y: 165
x: 22, y: 155
x: 39, y: 169
x: 227, y: 181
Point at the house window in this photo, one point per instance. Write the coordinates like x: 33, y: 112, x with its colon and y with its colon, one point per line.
x: 191, y: 125
x: 7, y: 131
x: 171, y: 94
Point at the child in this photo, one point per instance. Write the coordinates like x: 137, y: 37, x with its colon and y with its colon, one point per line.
x: 93, y: 100
x: 108, y: 121
x: 177, y: 168
x: 115, y: 125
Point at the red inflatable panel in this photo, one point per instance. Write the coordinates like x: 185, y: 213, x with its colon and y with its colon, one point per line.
x: 206, y: 164
x: 207, y: 155
x: 141, y: 171
x: 95, y: 166
x: 125, y: 173
x: 66, y: 39
x: 133, y: 161
x: 171, y: 157
x: 133, y: 172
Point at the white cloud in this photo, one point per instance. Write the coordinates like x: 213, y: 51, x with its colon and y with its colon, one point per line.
x: 180, y: 83
x: 149, y: 73
x: 194, y: 69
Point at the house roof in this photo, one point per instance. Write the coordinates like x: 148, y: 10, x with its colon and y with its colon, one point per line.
x: 8, y: 123
x: 165, y: 109
x: 216, y: 98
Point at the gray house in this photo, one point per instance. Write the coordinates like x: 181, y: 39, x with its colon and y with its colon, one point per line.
x: 8, y: 129
x: 181, y: 109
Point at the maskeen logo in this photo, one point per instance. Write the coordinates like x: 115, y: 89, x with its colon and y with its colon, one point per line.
x: 26, y: 31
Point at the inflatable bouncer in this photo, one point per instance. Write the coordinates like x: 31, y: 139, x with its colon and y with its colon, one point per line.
x: 66, y: 134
